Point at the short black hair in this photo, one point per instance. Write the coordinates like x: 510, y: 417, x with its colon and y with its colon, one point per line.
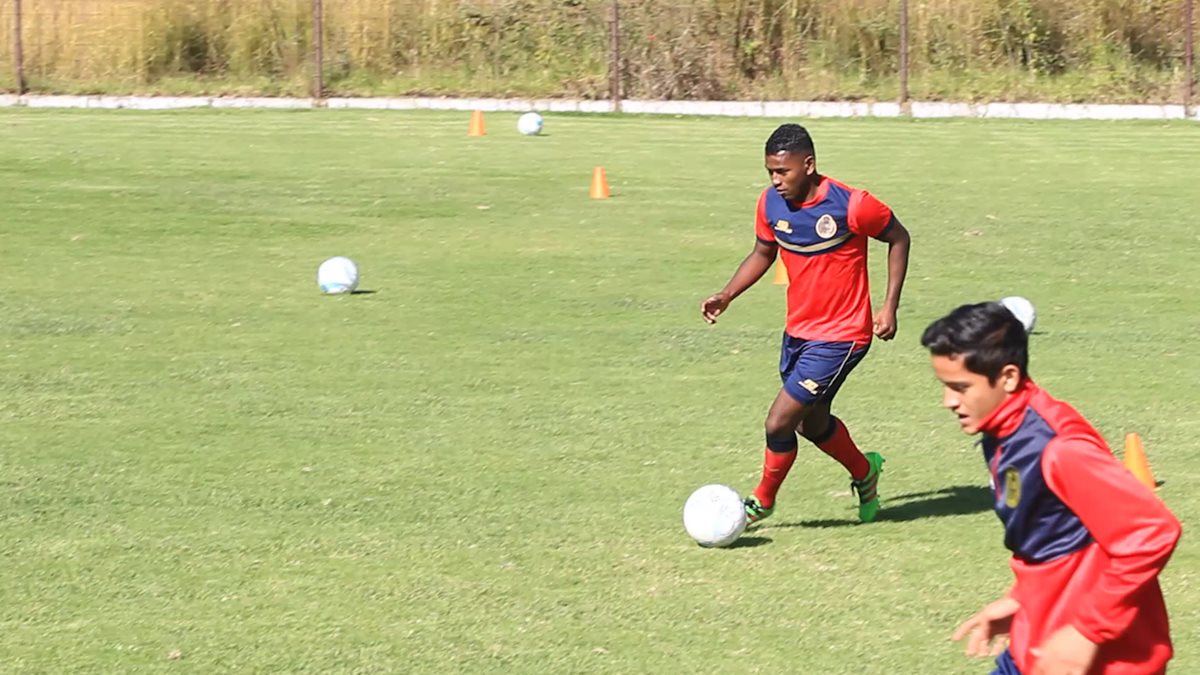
x: 986, y: 335
x: 790, y: 138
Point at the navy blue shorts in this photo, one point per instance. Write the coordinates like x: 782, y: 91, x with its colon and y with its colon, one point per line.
x: 1005, y: 665
x: 813, y: 370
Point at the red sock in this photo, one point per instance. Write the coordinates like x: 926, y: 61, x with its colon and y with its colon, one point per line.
x: 841, y: 447
x: 775, y: 468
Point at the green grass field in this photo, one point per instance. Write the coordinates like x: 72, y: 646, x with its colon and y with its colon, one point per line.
x: 207, y: 466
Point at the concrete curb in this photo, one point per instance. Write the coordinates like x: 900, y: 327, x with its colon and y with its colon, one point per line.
x: 795, y: 109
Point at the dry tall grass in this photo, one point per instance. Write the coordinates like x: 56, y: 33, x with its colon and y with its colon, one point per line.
x: 685, y: 49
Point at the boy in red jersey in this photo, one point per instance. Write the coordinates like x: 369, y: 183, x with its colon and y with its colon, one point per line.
x: 820, y: 227
x: 1088, y: 540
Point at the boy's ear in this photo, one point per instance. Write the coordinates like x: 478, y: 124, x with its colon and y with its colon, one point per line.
x: 1010, y: 377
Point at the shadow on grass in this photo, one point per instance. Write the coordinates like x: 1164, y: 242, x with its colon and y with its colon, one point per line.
x: 959, y: 500
x: 750, y: 542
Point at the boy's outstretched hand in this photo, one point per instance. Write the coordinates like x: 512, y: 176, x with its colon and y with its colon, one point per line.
x: 986, y: 632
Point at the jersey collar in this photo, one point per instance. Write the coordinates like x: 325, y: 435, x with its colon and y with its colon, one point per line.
x: 822, y: 190
x: 1007, y: 416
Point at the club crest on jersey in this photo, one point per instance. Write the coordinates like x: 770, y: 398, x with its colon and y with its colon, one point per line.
x: 1012, y: 488
x: 826, y: 226
x: 783, y: 226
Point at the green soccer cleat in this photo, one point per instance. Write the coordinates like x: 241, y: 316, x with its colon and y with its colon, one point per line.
x: 867, y: 489
x: 755, y: 511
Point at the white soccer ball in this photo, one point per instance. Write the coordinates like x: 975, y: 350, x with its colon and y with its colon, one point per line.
x: 337, y: 275
x: 530, y: 124
x: 714, y: 516
x: 1022, y: 309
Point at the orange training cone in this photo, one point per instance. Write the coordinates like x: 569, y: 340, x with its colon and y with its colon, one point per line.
x: 477, y: 127
x: 781, y: 275
x: 1135, y: 460
x: 599, y: 184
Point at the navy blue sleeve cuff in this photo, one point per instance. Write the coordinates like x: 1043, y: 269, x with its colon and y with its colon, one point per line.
x: 887, y: 227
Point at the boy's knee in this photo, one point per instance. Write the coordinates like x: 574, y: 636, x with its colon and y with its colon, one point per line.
x: 781, y: 434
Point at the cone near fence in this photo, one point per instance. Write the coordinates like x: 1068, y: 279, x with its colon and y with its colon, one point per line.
x: 477, y: 127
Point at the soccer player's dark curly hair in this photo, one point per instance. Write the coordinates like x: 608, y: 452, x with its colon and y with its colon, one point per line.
x: 987, y: 336
x: 790, y: 138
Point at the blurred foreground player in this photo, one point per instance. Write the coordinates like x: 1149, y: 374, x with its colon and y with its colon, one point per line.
x: 1088, y: 540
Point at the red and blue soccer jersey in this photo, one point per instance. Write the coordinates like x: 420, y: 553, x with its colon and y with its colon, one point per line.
x: 1087, y: 539
x: 823, y: 243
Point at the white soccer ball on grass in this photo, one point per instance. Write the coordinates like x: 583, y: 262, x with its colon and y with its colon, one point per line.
x: 530, y: 124
x: 337, y: 275
x: 714, y: 516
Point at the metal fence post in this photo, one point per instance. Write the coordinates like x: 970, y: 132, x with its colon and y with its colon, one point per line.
x: 904, y: 108
x: 318, y: 80
x: 18, y: 50
x: 1189, y: 71
x: 614, y: 67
